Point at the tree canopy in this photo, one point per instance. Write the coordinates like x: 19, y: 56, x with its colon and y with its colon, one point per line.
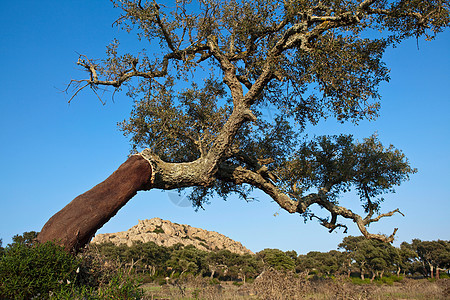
x: 211, y: 70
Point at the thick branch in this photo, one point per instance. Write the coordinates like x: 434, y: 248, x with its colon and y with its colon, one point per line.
x: 240, y: 175
x: 229, y: 70
x: 74, y: 225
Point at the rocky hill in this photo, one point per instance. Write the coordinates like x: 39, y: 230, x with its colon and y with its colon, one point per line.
x: 166, y: 233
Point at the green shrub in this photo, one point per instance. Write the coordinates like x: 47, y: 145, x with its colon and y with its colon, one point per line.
x: 359, y: 281
x: 158, y: 230
x: 31, y: 271
x: 389, y: 279
x: 121, y: 286
x: 204, y: 245
x: 200, y: 239
x: 2, y: 250
x: 47, y: 271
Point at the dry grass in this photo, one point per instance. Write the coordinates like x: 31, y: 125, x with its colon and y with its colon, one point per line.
x: 274, y: 285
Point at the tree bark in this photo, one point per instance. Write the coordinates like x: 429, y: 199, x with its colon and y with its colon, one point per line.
x: 75, y: 224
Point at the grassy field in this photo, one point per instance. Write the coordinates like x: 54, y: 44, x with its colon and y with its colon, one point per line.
x: 281, y: 286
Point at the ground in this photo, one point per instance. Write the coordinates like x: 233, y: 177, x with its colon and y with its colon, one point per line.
x: 339, y: 288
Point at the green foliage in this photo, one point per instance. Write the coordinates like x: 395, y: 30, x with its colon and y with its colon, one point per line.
x: 376, y: 257
x: 179, y: 260
x: 200, y: 239
x: 47, y: 271
x: 30, y: 271
x: 324, y: 264
x: 338, y: 162
x: 300, y: 61
x: 371, y: 255
x: 121, y: 286
x: 359, y: 281
x: 338, y: 71
x: 292, y: 254
x: 389, y: 280
x: 27, y: 238
x: 158, y: 230
x: 142, y: 254
x: 431, y: 254
x: 187, y: 260
x: 166, y: 120
x: 324, y: 58
x: 276, y: 259
x: 2, y: 250
x: 380, y: 260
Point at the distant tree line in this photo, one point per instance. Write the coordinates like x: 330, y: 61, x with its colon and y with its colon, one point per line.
x: 358, y: 257
x: 362, y: 256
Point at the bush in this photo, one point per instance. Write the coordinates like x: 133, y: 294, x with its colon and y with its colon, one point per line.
x: 47, y: 271
x: 31, y: 271
x: 2, y: 250
x: 389, y: 280
x: 359, y: 281
x: 121, y: 286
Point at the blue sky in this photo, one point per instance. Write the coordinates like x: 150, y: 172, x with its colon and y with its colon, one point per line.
x: 51, y: 151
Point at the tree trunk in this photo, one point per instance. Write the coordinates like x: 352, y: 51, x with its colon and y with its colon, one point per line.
x: 75, y: 224
x: 373, y: 276
x: 431, y: 270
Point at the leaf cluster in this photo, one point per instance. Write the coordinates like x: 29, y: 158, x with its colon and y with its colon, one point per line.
x: 335, y: 164
x: 178, y: 127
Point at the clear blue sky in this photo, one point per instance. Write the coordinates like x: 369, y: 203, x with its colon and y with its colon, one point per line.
x: 51, y: 151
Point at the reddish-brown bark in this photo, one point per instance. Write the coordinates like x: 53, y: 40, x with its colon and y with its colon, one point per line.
x: 75, y: 225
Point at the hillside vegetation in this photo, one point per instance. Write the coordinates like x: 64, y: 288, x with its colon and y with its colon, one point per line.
x: 363, y: 269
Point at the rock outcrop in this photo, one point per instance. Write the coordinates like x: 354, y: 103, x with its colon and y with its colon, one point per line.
x: 166, y: 233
